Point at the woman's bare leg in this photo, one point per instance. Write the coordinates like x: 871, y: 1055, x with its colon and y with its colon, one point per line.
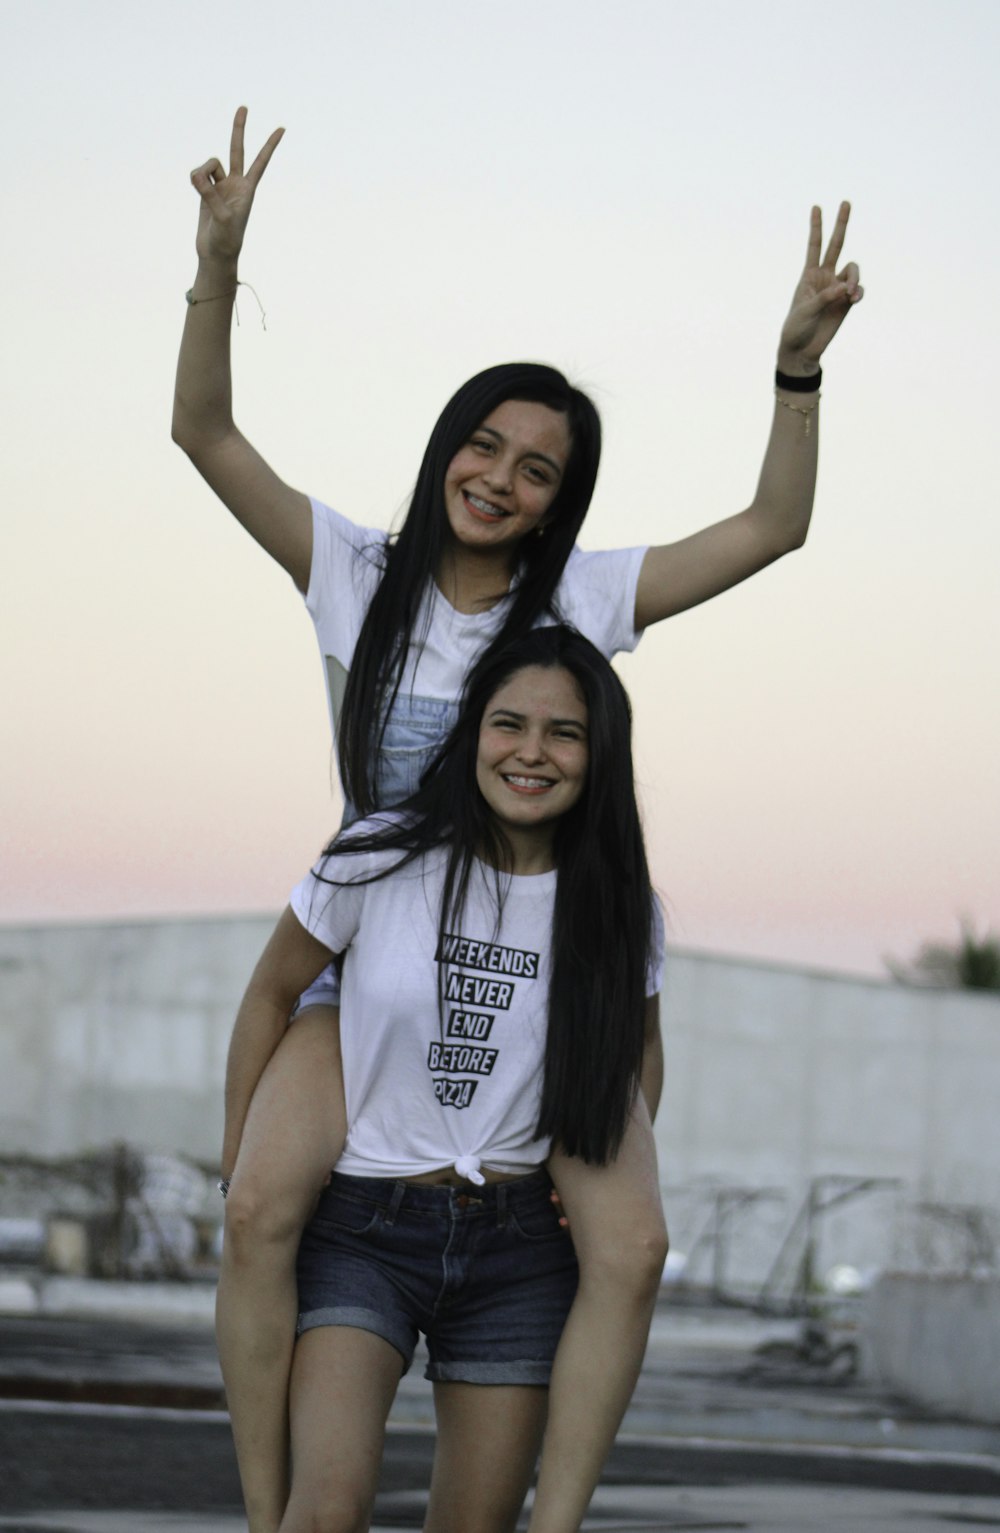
x: 294, y: 1132
x: 616, y: 1219
x: 487, y: 1445
x: 343, y: 1383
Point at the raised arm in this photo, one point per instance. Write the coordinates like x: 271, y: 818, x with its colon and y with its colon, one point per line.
x: 679, y: 575
x: 278, y: 517
x: 288, y: 965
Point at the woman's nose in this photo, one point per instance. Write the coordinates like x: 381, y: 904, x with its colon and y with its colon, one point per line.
x: 532, y: 747
x: 499, y: 475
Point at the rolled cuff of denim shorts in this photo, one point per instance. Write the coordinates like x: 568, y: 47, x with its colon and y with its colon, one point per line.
x: 360, y: 1320
x: 527, y: 1371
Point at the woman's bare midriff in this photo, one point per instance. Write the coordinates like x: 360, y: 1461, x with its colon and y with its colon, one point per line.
x: 449, y: 1177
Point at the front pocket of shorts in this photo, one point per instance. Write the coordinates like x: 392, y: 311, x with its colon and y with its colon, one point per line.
x: 537, y: 1221
x: 346, y: 1216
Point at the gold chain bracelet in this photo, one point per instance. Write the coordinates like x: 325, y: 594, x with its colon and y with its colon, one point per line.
x: 806, y: 410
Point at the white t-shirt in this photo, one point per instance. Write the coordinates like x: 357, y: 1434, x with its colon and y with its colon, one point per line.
x: 596, y: 595
x: 429, y: 1087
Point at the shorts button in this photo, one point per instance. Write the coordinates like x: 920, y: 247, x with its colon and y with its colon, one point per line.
x: 462, y: 1200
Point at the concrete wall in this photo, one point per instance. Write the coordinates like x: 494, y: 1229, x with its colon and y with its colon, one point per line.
x: 937, y: 1341
x: 112, y: 1032
x: 773, y: 1075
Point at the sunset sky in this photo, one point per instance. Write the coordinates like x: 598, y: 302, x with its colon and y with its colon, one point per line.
x: 622, y: 190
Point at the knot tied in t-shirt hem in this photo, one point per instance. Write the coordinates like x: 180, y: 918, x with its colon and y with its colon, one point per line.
x: 468, y: 1166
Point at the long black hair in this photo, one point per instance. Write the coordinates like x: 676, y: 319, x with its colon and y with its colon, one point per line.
x: 413, y: 558
x: 601, y: 928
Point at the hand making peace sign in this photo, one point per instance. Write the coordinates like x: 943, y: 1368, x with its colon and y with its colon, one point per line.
x: 226, y: 199
x: 823, y: 296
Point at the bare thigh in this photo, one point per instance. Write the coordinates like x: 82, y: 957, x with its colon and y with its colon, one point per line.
x: 295, y: 1127
x: 343, y: 1383
x: 489, y: 1436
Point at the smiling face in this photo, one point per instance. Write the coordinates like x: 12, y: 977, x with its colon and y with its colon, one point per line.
x: 531, y: 765
x: 500, y: 485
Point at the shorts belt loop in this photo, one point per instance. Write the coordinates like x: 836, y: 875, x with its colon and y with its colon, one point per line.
x: 501, y: 1205
x: 398, y: 1194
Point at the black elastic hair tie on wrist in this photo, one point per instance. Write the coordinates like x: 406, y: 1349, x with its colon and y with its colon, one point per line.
x: 798, y: 385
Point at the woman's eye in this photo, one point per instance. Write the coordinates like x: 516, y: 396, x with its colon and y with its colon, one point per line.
x: 481, y: 445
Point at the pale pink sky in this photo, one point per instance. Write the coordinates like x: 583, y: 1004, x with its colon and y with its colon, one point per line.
x: 622, y: 191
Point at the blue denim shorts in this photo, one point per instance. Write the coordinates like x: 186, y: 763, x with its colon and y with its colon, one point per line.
x: 487, y: 1274
x: 414, y: 732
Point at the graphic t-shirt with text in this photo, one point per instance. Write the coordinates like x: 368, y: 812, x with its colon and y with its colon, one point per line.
x: 431, y: 1085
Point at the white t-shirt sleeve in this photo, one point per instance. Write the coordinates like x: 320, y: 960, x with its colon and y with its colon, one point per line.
x: 343, y: 577
x: 597, y: 595
x: 330, y: 912
x: 330, y: 900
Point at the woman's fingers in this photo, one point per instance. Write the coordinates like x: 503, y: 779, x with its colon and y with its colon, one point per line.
x: 207, y: 181
x: 834, y: 292
x: 207, y: 174
x: 237, y: 150
x: 815, y: 238
x: 227, y: 196
x: 851, y: 276
x: 836, y: 244
x: 236, y: 142
x: 824, y: 295
x: 260, y: 164
x: 222, y: 190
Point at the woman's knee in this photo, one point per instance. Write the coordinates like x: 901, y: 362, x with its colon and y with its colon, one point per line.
x: 334, y: 1510
x: 256, y: 1218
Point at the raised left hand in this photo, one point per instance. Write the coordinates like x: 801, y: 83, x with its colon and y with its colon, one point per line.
x: 227, y: 196
x: 822, y: 299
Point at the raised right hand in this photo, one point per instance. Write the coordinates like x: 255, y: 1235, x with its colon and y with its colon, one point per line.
x: 823, y: 299
x: 226, y: 200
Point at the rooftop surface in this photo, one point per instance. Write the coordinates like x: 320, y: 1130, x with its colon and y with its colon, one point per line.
x: 112, y: 1418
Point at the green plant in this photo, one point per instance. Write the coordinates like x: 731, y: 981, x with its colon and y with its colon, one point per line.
x: 971, y: 963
